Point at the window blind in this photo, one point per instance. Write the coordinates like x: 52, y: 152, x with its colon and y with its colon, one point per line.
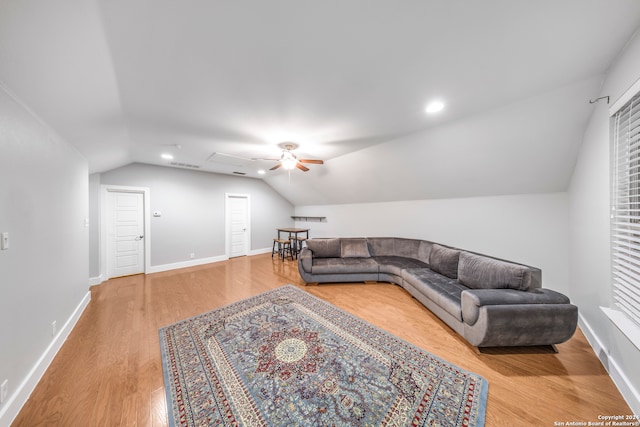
x: 625, y: 206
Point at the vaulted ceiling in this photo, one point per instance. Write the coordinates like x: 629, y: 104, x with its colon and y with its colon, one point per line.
x: 127, y: 81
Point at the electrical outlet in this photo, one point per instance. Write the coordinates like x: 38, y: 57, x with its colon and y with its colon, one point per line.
x: 4, y: 391
x: 54, y: 328
x: 193, y: 255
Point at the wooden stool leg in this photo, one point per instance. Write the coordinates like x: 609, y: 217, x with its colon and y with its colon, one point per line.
x: 288, y: 249
x: 283, y: 248
x: 297, y: 246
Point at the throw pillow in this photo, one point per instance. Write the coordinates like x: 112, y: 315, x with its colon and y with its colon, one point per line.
x: 444, y: 261
x: 481, y: 272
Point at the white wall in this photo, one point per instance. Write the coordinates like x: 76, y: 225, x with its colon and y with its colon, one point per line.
x: 43, y: 275
x: 193, y: 210
x: 589, y: 196
x: 531, y: 229
x: 94, y: 227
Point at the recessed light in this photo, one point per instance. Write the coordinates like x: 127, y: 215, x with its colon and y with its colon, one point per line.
x: 261, y: 172
x: 434, y: 107
x: 167, y: 156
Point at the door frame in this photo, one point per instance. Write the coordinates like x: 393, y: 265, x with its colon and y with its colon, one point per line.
x: 105, y: 189
x: 227, y: 223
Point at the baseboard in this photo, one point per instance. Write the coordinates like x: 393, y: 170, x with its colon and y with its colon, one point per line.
x: 594, y: 341
x: 622, y: 382
x: 260, y: 251
x: 190, y: 263
x: 184, y: 264
x: 17, y: 400
x: 96, y: 280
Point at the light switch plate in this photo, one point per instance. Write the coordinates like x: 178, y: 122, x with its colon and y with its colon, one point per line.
x: 4, y: 240
x: 4, y: 391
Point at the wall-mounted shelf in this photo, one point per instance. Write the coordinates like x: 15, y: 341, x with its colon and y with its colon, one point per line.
x: 309, y: 218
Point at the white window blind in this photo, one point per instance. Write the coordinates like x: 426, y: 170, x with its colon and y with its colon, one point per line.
x: 625, y: 205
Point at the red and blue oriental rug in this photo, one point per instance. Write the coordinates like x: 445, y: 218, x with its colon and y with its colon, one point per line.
x: 287, y: 358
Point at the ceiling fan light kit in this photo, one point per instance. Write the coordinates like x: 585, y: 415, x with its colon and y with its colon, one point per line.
x: 288, y: 160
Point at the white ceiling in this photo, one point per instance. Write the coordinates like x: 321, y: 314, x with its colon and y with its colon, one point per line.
x: 347, y: 80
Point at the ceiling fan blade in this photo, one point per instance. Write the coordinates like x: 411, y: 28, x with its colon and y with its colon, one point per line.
x: 317, y: 162
x: 276, y: 167
x: 302, y: 168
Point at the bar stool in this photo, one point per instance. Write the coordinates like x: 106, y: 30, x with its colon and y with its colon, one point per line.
x: 297, y: 244
x: 282, y: 248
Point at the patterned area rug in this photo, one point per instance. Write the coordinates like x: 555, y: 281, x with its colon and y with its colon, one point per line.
x: 287, y: 358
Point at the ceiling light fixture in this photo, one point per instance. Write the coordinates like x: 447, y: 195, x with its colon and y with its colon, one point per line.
x: 261, y: 172
x: 167, y: 156
x: 288, y: 160
x: 434, y: 107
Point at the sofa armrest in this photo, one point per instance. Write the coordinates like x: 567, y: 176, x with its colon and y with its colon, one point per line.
x: 522, y: 325
x: 305, y: 259
x: 473, y: 299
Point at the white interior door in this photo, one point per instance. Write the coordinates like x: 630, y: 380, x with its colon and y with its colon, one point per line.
x: 238, y: 212
x: 125, y: 233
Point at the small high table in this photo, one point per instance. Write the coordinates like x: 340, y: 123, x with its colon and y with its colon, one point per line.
x: 293, y: 233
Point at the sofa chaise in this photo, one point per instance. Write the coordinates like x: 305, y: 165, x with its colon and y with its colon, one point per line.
x: 488, y: 301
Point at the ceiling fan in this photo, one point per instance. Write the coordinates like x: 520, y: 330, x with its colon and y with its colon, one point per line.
x: 288, y: 160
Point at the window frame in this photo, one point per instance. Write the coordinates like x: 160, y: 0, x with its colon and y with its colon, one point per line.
x: 624, y: 121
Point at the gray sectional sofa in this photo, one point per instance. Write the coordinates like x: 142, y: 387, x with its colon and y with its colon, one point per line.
x: 488, y: 301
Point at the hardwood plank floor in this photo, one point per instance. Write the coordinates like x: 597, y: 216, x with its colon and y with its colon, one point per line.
x: 109, y: 371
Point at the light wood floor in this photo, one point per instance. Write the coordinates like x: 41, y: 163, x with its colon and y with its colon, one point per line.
x: 109, y: 372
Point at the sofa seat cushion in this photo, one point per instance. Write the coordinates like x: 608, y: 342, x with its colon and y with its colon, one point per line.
x: 395, y: 264
x: 343, y: 266
x: 473, y: 299
x: 443, y: 291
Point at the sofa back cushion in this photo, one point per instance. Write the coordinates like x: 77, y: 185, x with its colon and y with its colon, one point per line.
x: 424, y: 251
x: 481, y: 272
x: 407, y: 248
x: 394, y: 246
x: 444, y: 260
x: 381, y: 246
x: 354, y: 248
x: 324, y: 248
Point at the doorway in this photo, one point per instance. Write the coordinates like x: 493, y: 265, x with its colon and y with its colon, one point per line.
x: 238, y: 230
x: 125, y: 230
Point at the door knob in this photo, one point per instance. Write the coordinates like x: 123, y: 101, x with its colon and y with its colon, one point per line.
x: 140, y: 237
